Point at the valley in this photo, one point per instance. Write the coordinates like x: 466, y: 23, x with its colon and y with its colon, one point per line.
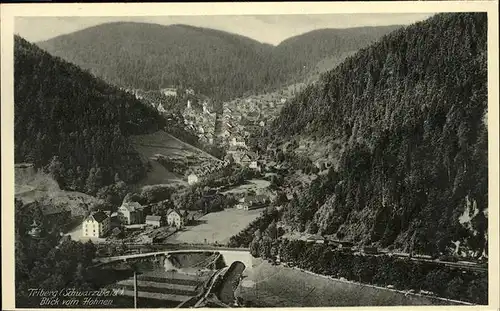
x: 341, y: 167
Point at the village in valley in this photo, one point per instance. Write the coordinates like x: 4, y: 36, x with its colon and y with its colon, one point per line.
x: 193, y: 167
x: 133, y: 223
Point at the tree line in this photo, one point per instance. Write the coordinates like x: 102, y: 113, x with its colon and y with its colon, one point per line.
x: 216, y: 63
x: 265, y: 239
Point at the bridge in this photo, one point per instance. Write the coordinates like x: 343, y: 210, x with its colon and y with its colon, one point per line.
x: 229, y: 256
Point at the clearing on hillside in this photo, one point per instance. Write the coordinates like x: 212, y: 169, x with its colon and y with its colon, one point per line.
x: 252, y: 184
x: 217, y: 227
x: 161, y: 143
x: 34, y: 185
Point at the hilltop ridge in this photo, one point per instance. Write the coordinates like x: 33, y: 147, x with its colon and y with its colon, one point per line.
x: 218, y: 64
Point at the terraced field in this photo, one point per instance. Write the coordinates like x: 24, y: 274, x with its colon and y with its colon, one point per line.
x: 162, y: 143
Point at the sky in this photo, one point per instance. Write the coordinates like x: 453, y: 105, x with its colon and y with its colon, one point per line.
x: 264, y: 28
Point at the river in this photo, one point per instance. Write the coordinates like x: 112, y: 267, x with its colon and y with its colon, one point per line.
x: 266, y: 285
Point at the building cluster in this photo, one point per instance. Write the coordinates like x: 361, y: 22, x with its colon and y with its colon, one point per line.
x: 245, y: 158
x: 169, y: 91
x: 200, y: 122
x: 243, y: 116
x: 196, y: 174
x: 250, y: 202
x: 100, y: 223
x: 139, y: 94
x: 174, y: 91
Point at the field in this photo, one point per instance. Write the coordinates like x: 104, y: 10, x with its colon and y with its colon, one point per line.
x: 263, y: 287
x: 162, y: 143
x: 217, y: 227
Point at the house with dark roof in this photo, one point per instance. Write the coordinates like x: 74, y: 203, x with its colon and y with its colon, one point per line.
x: 96, y: 225
x: 177, y: 218
x: 116, y: 232
x: 248, y: 158
x: 51, y: 210
x: 130, y: 213
x: 316, y: 239
x: 154, y: 220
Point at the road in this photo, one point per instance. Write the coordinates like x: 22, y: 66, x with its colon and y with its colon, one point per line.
x: 181, y: 246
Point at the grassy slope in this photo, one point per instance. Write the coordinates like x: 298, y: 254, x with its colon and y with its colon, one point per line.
x: 165, y: 144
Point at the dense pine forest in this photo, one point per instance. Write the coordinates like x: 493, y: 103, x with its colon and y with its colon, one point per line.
x: 409, y: 115
x: 218, y: 64
x: 74, y: 125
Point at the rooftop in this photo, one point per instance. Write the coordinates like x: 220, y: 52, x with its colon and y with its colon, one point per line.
x: 99, y: 216
x: 131, y: 206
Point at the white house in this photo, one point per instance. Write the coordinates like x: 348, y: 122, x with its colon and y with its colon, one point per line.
x: 254, y: 200
x: 235, y: 142
x: 192, y: 179
x: 160, y: 108
x: 248, y: 158
x: 243, y: 206
x: 176, y: 218
x: 96, y: 225
x: 254, y: 165
x: 169, y: 92
x: 130, y: 213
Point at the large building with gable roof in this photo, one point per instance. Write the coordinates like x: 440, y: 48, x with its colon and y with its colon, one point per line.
x: 96, y: 225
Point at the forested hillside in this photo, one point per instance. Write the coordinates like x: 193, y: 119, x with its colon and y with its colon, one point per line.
x: 314, y: 51
x: 409, y: 115
x: 218, y: 64
x: 75, y: 125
